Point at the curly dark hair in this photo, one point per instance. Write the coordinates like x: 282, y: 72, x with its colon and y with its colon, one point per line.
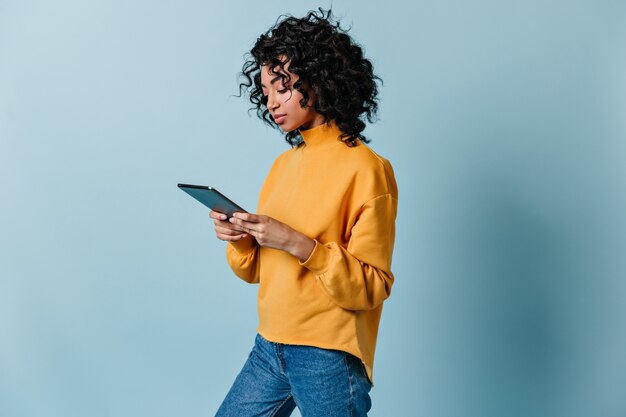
x: 326, y: 60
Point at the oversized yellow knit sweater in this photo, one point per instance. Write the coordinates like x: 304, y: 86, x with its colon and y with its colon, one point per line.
x: 345, y: 198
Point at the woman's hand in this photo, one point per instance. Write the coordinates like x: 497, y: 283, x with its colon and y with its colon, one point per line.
x: 271, y: 233
x: 224, y: 230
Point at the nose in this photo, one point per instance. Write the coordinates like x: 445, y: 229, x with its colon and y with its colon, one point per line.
x: 272, y: 103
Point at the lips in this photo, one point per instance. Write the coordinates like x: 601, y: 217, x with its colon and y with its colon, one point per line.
x: 279, y: 118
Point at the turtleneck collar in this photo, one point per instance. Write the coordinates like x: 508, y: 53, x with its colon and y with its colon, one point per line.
x: 318, y: 135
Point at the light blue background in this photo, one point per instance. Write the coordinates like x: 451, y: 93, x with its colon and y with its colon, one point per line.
x: 504, y: 121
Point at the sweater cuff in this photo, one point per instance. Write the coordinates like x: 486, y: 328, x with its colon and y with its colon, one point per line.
x: 243, y: 246
x: 318, y: 261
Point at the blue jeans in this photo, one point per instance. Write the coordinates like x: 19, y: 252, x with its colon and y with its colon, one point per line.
x: 277, y: 377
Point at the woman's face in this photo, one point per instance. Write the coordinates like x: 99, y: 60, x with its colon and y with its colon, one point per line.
x: 283, y: 101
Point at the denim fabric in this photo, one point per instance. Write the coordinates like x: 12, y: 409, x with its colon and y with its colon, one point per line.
x: 277, y: 377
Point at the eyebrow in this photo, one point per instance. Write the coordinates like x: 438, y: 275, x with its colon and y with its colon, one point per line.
x: 273, y: 80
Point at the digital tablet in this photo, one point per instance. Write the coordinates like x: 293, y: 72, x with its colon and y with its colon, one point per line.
x: 212, y: 198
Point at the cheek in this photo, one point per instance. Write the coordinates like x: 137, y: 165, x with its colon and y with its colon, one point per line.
x: 297, y: 100
x: 292, y: 100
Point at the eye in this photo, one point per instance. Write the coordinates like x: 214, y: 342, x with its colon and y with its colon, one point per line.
x: 284, y: 90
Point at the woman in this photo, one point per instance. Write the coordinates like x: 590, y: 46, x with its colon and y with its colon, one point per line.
x: 320, y: 245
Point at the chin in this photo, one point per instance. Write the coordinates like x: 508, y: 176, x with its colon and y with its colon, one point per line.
x: 287, y: 128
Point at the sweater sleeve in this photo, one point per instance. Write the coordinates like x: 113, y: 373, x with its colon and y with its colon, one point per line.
x: 359, y: 277
x: 243, y: 258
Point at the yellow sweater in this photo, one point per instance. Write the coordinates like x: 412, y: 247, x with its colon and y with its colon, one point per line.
x: 346, y: 199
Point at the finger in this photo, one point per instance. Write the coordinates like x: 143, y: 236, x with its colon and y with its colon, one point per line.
x: 248, y: 217
x: 217, y: 215
x: 223, y: 223
x: 244, y: 225
x: 227, y: 230
x: 231, y: 237
x: 227, y: 222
